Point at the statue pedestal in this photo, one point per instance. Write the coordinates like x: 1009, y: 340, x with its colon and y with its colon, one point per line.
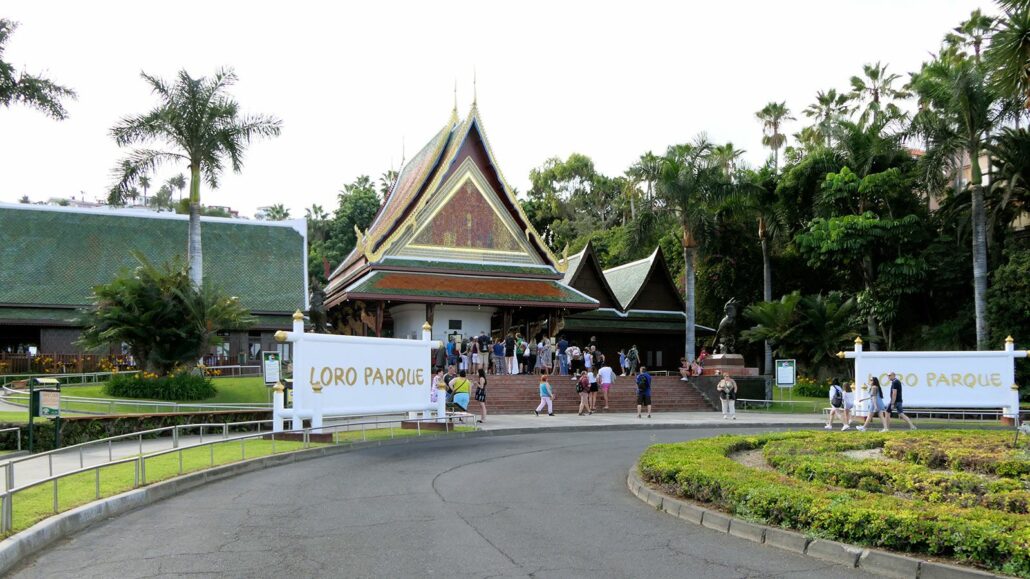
x: 732, y: 364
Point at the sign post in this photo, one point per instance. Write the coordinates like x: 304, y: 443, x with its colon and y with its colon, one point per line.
x: 271, y: 367
x: 786, y: 373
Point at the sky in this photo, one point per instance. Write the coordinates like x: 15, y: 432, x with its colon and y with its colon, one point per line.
x: 359, y: 84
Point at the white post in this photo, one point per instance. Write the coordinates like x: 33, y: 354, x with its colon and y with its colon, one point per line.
x: 861, y: 408
x: 316, y: 412
x: 278, y: 404
x: 299, y: 392
x: 1013, y: 410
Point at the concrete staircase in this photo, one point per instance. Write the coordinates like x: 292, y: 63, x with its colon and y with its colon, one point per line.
x: 521, y: 394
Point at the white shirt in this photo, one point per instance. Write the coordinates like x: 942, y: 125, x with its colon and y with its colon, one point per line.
x: 588, y: 360
x: 605, y: 375
x: 591, y: 378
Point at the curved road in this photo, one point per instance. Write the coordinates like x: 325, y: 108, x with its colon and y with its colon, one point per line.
x: 547, y: 504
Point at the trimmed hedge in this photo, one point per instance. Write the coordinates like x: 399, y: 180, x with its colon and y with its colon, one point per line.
x: 175, y: 388
x: 701, y: 470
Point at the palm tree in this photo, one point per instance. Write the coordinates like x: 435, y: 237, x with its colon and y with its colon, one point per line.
x: 968, y: 109
x: 972, y: 33
x: 692, y: 185
x: 1009, y: 54
x: 772, y: 116
x: 178, y: 182
x: 725, y: 156
x: 199, y: 125
x: 828, y: 108
x: 875, y: 89
x: 144, y: 183
x: 277, y: 212
x: 24, y: 88
x: 648, y: 169
x: 386, y: 181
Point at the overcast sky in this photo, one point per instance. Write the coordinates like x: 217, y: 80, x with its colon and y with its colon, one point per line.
x: 352, y: 81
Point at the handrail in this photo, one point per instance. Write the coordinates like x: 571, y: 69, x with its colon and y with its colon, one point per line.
x: 139, y: 479
x: 20, y: 398
x: 9, y: 378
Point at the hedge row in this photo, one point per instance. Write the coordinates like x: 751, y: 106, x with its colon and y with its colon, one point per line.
x: 75, y: 430
x: 818, y: 460
x: 176, y: 387
x: 992, y: 455
x: 701, y: 470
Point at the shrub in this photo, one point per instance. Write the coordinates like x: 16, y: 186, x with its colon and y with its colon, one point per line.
x: 982, y: 535
x: 806, y: 386
x: 177, y: 387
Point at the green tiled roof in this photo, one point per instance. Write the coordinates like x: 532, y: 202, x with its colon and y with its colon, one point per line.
x: 415, y: 264
x: 14, y: 315
x: 634, y: 320
x: 573, y: 265
x: 625, y: 280
x: 572, y: 324
x: 55, y: 257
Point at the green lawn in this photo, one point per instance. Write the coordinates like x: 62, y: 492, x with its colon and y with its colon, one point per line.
x: 14, y: 416
x: 784, y: 402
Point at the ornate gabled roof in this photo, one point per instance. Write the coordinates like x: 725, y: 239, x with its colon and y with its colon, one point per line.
x: 456, y: 169
x: 584, y: 273
x: 648, y: 276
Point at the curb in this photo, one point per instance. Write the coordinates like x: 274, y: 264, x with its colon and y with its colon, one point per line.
x: 874, y: 561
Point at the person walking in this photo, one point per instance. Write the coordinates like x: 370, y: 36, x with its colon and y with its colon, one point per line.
x: 875, y: 406
x: 575, y: 360
x: 546, y: 397
x: 563, y: 358
x: 837, y: 407
x: 634, y: 359
x: 727, y: 388
x: 896, y: 403
x: 592, y: 379
x: 498, y: 357
x: 481, y: 394
x: 605, y: 377
x: 623, y: 362
x: 474, y: 353
x: 849, y: 404
x: 509, y: 353
x: 583, y: 389
x: 643, y: 391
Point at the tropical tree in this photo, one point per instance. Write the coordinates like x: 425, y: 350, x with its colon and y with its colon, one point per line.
x: 163, y: 317
x: 1008, y: 56
x: 386, y: 181
x: 827, y: 110
x: 29, y: 89
x: 647, y: 169
x: 195, y: 123
x: 277, y: 212
x: 163, y: 198
x: 178, y: 182
x: 776, y: 324
x: 772, y: 116
x: 811, y: 328
x: 874, y: 94
x: 972, y: 33
x: 968, y: 109
x: 758, y: 193
x: 693, y: 186
x: 144, y: 183
x: 726, y: 156
x: 24, y: 199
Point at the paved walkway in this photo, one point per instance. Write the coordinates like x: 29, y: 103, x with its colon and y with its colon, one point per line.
x: 532, y: 505
x: 666, y: 419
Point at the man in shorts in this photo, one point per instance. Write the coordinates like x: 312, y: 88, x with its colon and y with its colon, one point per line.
x: 605, y: 377
x: 643, y: 391
x: 896, y: 403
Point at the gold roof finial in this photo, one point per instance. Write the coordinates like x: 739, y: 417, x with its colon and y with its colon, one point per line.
x: 279, y: 387
x: 840, y: 355
x: 426, y: 327
x: 475, y: 98
x: 280, y: 336
x: 1009, y: 340
x: 298, y: 316
x: 858, y: 340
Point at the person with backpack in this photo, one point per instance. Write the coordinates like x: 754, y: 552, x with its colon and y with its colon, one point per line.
x: 509, y: 354
x: 583, y: 389
x: 643, y: 390
x: 837, y: 406
x: 575, y: 360
x: 546, y: 396
x: 727, y: 388
x: 633, y: 356
x: 460, y: 388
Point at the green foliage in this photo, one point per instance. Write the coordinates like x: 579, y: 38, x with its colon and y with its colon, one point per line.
x: 853, y: 501
x: 165, y: 320
x: 29, y: 89
x: 811, y: 329
x: 1008, y: 307
x: 358, y: 204
x: 181, y: 386
x: 812, y: 388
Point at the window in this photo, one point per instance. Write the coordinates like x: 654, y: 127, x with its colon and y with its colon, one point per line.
x: 222, y: 349
x: 453, y: 324
x: 254, y: 345
x: 285, y: 351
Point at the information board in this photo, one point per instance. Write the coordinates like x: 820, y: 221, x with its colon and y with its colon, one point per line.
x: 786, y: 373
x: 271, y: 367
x: 50, y: 403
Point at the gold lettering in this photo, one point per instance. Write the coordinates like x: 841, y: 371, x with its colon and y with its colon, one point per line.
x: 389, y: 376
x: 326, y: 375
x: 338, y: 376
x: 378, y: 376
x: 419, y: 377
x: 368, y: 374
x: 351, y: 376
x: 943, y: 379
x: 401, y: 377
x: 911, y: 380
x: 956, y: 379
x: 969, y: 380
x: 931, y: 377
x: 312, y: 380
x: 996, y: 379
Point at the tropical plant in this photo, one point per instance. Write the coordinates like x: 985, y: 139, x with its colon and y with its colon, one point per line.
x: 776, y: 324
x: 165, y: 319
x: 726, y: 156
x: 29, y: 89
x: 144, y: 183
x: 178, y: 182
x: 874, y: 94
x: 199, y: 125
x: 827, y: 110
x: 277, y: 212
x: 968, y: 109
x: 386, y: 181
x: 772, y: 116
x: 1008, y: 56
x: 972, y: 33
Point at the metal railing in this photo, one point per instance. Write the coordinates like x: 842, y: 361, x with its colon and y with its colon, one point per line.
x: 813, y: 407
x: 139, y: 462
x: 83, y: 405
x: 67, y: 379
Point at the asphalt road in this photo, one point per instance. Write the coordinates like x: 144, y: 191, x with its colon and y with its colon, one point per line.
x: 540, y: 505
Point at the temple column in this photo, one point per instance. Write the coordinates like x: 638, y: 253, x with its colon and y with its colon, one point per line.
x: 505, y: 321
x: 430, y: 310
x: 379, y: 319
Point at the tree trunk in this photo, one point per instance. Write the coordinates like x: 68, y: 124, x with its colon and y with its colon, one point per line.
x: 196, y: 253
x: 632, y: 208
x: 979, y: 260
x: 766, y: 293
x: 867, y: 275
x: 688, y: 290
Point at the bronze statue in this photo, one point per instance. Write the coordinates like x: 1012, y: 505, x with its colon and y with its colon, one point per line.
x: 317, y: 313
x: 726, y: 335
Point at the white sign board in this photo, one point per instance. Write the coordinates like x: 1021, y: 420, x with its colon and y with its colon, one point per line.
x: 271, y: 365
x: 943, y: 379
x: 786, y: 373
x: 50, y: 403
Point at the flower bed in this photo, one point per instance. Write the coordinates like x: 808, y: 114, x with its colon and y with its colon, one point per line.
x: 974, y: 512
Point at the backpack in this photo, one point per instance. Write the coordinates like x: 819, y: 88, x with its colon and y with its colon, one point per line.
x: 641, y: 382
x: 838, y: 397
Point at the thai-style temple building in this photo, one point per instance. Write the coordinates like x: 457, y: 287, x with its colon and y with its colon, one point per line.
x: 638, y: 304
x: 452, y: 246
